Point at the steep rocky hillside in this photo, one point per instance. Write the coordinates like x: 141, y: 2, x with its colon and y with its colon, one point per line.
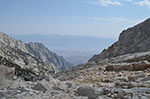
x: 132, y: 40
x: 42, y: 53
x: 120, y: 72
x: 25, y: 65
x: 37, y: 50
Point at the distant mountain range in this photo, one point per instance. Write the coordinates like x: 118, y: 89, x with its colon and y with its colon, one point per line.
x: 76, y: 49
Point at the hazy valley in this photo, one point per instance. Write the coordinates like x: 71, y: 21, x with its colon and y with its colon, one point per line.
x: 75, y: 49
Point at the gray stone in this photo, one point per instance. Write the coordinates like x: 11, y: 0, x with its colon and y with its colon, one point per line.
x: 7, y: 72
x: 90, y: 92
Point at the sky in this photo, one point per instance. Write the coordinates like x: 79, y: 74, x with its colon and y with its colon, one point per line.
x: 102, y: 18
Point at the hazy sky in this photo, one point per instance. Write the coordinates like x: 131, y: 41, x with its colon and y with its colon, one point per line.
x: 104, y: 18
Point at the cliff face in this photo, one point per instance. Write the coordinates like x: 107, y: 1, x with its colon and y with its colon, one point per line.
x: 132, y: 40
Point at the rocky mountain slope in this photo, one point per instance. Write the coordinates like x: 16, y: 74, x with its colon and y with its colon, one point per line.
x: 132, y: 40
x: 31, y: 61
x: 120, y: 72
x: 37, y: 50
x: 24, y: 65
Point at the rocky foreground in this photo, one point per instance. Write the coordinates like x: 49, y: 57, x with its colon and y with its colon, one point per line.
x: 101, y: 80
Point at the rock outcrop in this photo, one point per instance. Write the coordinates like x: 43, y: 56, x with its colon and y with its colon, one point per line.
x: 132, y: 40
x: 90, y: 92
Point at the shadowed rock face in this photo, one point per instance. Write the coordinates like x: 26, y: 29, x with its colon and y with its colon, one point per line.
x: 132, y: 40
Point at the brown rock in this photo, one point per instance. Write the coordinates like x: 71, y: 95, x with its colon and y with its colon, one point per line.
x: 141, y: 66
x: 119, y: 67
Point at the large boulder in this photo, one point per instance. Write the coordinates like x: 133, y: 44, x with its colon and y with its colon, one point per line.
x: 90, y: 92
x: 128, y: 66
x: 40, y: 87
x: 6, y: 72
x: 6, y: 76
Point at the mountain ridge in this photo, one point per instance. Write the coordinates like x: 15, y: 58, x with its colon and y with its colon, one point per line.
x: 133, y: 40
x: 19, y: 53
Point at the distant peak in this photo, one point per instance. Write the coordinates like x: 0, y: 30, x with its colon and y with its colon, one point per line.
x: 36, y: 43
